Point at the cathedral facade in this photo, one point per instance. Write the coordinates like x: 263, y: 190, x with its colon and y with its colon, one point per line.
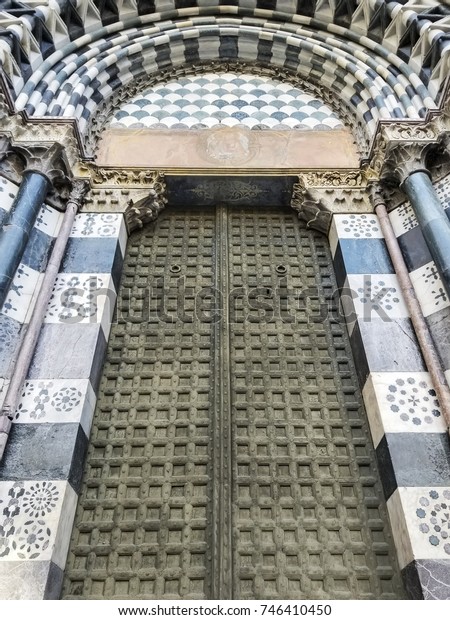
x: 225, y: 299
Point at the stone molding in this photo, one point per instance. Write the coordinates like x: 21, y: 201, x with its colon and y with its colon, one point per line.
x: 119, y: 177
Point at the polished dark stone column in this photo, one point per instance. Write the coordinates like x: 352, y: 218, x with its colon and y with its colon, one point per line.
x: 432, y: 219
x: 18, y: 225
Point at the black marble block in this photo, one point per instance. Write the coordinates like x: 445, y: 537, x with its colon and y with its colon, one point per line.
x: 427, y: 579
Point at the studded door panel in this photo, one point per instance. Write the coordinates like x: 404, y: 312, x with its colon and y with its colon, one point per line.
x: 308, y: 516
x: 143, y: 526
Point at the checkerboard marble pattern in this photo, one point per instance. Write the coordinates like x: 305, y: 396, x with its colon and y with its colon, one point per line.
x: 369, y: 77
x: 415, y: 32
x: 407, y: 427
x: 229, y: 99
x: 40, y: 474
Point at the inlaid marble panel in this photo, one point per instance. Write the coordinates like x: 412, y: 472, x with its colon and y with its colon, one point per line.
x: 402, y: 402
x: 35, y: 520
x: 429, y: 289
x: 229, y: 99
x: 353, y: 226
x: 57, y: 400
x: 374, y: 296
x: 420, y: 518
x: 82, y: 298
x: 21, y: 297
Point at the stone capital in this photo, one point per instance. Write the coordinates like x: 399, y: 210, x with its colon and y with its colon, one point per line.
x: 78, y: 191
x: 403, y: 159
x: 50, y: 161
x: 401, y: 148
x: 47, y: 160
x: 376, y: 194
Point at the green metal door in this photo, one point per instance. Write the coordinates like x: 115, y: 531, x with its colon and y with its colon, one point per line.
x: 230, y: 456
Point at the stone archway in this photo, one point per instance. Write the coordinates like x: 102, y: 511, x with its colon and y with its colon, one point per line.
x: 391, y: 74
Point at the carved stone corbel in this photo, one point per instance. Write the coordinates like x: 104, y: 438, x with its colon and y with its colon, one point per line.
x: 310, y: 208
x: 144, y: 211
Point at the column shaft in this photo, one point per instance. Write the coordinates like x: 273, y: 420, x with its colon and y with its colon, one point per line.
x: 18, y: 225
x: 432, y: 219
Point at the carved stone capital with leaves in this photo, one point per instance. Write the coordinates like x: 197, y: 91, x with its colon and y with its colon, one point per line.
x: 403, y: 159
x: 79, y: 189
x: 11, y: 165
x: 50, y: 161
x: 377, y: 194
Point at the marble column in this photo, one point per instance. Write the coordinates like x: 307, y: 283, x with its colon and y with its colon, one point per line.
x: 408, y: 163
x: 42, y: 165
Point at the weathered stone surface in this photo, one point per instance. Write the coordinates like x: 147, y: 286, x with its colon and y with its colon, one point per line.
x: 30, y: 580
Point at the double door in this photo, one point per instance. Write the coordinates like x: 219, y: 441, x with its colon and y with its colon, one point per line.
x: 230, y: 456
